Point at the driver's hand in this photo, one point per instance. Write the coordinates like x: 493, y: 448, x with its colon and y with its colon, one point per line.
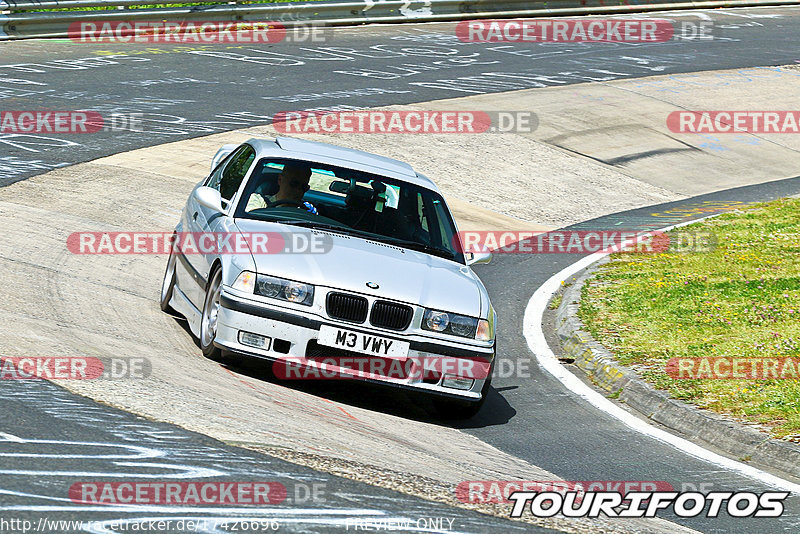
x: 310, y: 207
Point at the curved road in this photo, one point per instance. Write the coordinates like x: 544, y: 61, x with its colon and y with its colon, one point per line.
x: 188, y: 91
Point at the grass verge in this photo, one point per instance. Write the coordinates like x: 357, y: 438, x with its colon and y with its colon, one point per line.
x: 740, y: 300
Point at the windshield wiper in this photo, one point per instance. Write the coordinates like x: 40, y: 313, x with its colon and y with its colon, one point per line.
x: 333, y: 227
x: 414, y: 245
x: 305, y: 223
x: 422, y: 247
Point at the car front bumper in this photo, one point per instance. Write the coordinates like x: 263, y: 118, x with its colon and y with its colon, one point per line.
x: 297, y: 333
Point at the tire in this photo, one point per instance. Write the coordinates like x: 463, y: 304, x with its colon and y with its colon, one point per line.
x: 168, y: 284
x: 455, y: 409
x: 208, y: 321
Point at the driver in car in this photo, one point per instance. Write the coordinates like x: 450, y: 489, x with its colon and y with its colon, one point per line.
x: 293, y: 184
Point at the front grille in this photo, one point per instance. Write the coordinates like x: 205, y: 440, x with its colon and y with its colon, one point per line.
x: 347, y: 307
x: 390, y: 315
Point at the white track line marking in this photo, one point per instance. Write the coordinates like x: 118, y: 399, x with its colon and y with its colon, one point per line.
x: 179, y: 471
x: 11, y: 437
x: 140, y: 452
x: 532, y: 330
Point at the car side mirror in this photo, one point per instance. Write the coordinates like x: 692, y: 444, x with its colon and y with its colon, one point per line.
x: 478, y: 257
x: 209, y: 197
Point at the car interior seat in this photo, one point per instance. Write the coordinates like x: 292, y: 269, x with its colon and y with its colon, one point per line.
x: 267, y: 182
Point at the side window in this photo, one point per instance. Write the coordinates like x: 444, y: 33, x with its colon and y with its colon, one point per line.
x: 445, y: 231
x: 421, y: 212
x: 228, y: 177
x: 216, y: 176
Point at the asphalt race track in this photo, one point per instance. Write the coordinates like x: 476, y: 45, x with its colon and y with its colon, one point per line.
x: 68, y: 438
x: 191, y: 91
x: 186, y: 92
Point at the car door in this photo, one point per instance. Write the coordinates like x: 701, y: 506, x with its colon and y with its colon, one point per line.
x: 226, y: 179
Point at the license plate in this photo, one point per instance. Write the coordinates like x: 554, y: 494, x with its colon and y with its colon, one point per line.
x: 363, y: 343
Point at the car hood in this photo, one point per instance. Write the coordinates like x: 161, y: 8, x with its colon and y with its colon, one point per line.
x: 351, y: 262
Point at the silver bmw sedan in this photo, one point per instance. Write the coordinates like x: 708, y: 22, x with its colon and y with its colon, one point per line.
x: 332, y: 263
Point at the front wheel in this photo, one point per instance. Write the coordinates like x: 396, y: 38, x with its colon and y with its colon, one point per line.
x: 208, y: 322
x: 168, y: 284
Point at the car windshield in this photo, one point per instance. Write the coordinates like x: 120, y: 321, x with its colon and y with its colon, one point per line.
x: 352, y: 202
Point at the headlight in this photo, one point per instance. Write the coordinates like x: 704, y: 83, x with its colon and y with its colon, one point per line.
x: 297, y: 292
x: 462, y: 326
x: 449, y: 323
x: 278, y: 288
x: 435, y: 320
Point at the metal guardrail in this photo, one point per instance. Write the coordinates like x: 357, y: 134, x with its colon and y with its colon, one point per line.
x: 19, y: 21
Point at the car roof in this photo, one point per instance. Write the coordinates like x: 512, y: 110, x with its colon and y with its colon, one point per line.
x: 290, y: 147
